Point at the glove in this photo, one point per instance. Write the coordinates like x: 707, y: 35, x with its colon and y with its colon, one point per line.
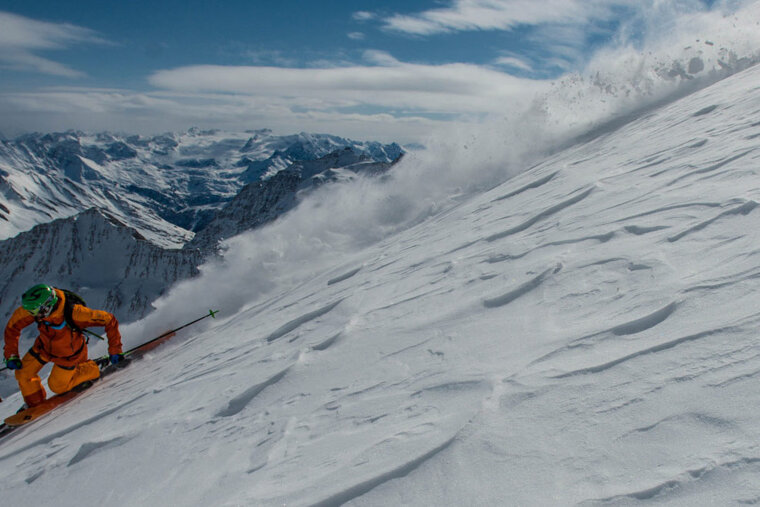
x: 13, y: 363
x: 116, y: 358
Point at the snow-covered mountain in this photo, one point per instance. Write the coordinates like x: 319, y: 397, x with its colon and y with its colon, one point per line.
x: 166, y: 187
x: 582, y: 333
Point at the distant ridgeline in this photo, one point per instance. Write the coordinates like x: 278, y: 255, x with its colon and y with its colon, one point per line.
x: 121, y: 218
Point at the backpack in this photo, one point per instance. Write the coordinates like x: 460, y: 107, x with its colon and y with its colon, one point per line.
x: 72, y: 298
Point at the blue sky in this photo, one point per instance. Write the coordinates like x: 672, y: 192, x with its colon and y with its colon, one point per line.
x: 341, y: 66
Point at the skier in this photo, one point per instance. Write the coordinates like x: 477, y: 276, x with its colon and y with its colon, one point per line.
x: 60, y: 341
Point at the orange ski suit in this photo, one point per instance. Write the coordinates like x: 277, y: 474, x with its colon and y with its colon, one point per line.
x: 59, y: 344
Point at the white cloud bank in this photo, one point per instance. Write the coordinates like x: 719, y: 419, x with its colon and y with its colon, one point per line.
x: 21, y: 38
x: 422, y: 89
x: 154, y: 112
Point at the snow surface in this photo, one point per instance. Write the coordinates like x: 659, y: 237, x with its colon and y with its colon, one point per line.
x: 584, y: 332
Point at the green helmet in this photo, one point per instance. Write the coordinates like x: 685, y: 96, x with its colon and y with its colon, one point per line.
x: 39, y: 300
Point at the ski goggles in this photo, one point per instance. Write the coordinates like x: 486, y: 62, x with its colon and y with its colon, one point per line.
x: 44, y: 309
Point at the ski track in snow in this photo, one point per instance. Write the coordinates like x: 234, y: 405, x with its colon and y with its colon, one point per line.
x: 583, y: 334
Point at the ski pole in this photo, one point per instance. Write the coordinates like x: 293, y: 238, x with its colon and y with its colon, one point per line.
x: 211, y: 313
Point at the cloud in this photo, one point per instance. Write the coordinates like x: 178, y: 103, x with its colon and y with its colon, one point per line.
x: 468, y: 15
x: 269, y: 57
x: 473, y: 15
x: 556, y: 36
x: 439, y: 89
x: 379, y: 57
x: 356, y: 35
x: 515, y: 62
x: 364, y: 16
x: 159, y: 111
x: 21, y: 38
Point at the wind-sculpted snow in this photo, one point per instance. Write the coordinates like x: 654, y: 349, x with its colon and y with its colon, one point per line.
x: 240, y: 401
x: 582, y: 333
x: 344, y: 276
x: 636, y: 355
x: 93, y: 447
x: 541, y: 216
x: 402, y: 470
x: 529, y: 186
x: 646, y: 322
x: 298, y: 322
x: 744, y: 209
x: 51, y: 437
x: 327, y: 343
x: 712, y: 167
x: 521, y: 290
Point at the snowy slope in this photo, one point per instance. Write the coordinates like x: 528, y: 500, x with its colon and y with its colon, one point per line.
x: 582, y: 333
